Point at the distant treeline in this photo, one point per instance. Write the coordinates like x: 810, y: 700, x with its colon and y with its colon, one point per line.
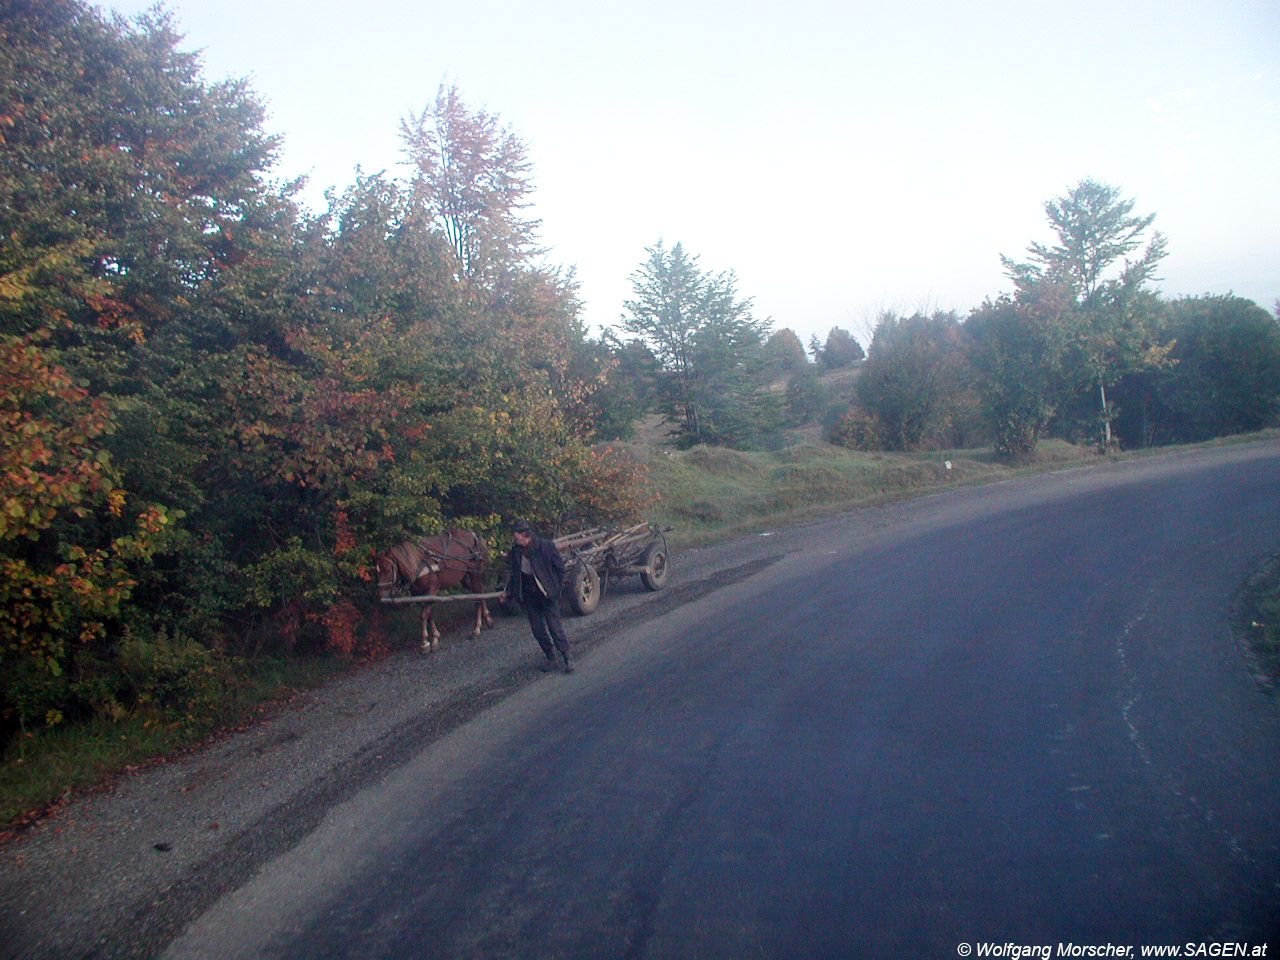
x: 1083, y: 349
x: 216, y: 405
x: 1027, y: 366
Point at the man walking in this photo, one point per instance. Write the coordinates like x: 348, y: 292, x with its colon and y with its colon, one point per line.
x: 536, y: 577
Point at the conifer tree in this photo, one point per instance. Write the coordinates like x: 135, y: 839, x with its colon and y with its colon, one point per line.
x: 708, y: 342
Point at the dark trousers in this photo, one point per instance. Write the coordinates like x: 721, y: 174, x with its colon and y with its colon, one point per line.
x: 544, y: 620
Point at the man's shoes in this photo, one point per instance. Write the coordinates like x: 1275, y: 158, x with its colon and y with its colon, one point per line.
x: 548, y: 664
x: 568, y: 661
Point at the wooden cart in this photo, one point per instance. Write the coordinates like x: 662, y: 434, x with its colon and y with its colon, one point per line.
x: 594, y: 557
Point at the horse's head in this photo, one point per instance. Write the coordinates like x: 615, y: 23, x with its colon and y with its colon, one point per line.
x: 389, y: 580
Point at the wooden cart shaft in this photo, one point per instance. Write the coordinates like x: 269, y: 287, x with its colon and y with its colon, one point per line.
x: 444, y: 598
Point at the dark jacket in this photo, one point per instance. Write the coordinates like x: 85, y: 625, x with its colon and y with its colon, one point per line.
x: 547, y: 564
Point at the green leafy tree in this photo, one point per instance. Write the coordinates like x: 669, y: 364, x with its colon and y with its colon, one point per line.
x: 127, y: 187
x: 708, y: 343
x: 840, y: 349
x: 1223, y: 375
x: 630, y: 375
x: 214, y: 408
x: 407, y: 405
x: 112, y: 142
x: 784, y: 353
x: 1111, y: 317
x: 914, y: 371
x: 1015, y: 347
x: 807, y: 396
x: 1226, y: 365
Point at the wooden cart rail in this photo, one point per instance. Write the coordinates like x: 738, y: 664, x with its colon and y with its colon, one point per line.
x: 594, y: 557
x: 592, y: 536
x: 444, y: 598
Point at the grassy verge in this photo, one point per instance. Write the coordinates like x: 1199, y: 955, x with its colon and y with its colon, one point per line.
x: 41, y: 770
x: 1257, y: 623
x: 710, y: 493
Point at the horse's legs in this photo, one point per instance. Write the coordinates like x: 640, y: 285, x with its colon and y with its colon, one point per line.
x: 430, y: 635
x: 482, y: 618
x: 474, y: 581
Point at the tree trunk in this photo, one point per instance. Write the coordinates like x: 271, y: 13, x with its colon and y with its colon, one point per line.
x: 1106, y: 416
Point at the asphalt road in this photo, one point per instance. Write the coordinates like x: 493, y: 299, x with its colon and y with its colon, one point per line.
x: 1009, y: 716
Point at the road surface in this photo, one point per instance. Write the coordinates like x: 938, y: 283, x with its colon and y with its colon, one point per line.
x: 1014, y: 716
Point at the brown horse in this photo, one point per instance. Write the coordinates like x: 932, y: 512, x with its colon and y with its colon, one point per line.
x: 432, y: 564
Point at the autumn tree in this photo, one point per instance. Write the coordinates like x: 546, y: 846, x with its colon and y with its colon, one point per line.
x: 473, y: 176
x: 214, y: 406
x: 70, y: 545
x: 126, y: 186
x: 405, y: 405
x: 707, y: 341
x: 113, y: 142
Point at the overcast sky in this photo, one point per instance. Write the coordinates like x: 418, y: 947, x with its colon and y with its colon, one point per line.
x: 841, y: 157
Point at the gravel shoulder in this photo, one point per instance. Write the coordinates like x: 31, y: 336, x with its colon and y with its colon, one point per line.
x: 120, y: 872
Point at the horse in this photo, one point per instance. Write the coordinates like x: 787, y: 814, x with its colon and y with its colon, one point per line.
x: 432, y: 564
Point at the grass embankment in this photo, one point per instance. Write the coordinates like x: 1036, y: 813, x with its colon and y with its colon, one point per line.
x: 710, y: 493
x: 1257, y: 623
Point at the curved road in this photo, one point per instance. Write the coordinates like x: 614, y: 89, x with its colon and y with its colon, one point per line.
x: 1004, y: 719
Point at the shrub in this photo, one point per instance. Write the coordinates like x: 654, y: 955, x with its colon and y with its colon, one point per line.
x: 857, y: 429
x: 175, y: 676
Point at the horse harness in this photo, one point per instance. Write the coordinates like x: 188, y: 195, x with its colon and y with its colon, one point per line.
x: 437, y: 561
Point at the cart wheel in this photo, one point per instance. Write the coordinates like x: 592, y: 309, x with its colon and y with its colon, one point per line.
x: 584, y: 589
x: 655, y: 558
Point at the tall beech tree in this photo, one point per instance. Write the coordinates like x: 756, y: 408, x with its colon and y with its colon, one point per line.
x: 473, y: 176
x: 1110, y: 317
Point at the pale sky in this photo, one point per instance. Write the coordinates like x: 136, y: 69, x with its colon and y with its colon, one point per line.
x: 840, y: 156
